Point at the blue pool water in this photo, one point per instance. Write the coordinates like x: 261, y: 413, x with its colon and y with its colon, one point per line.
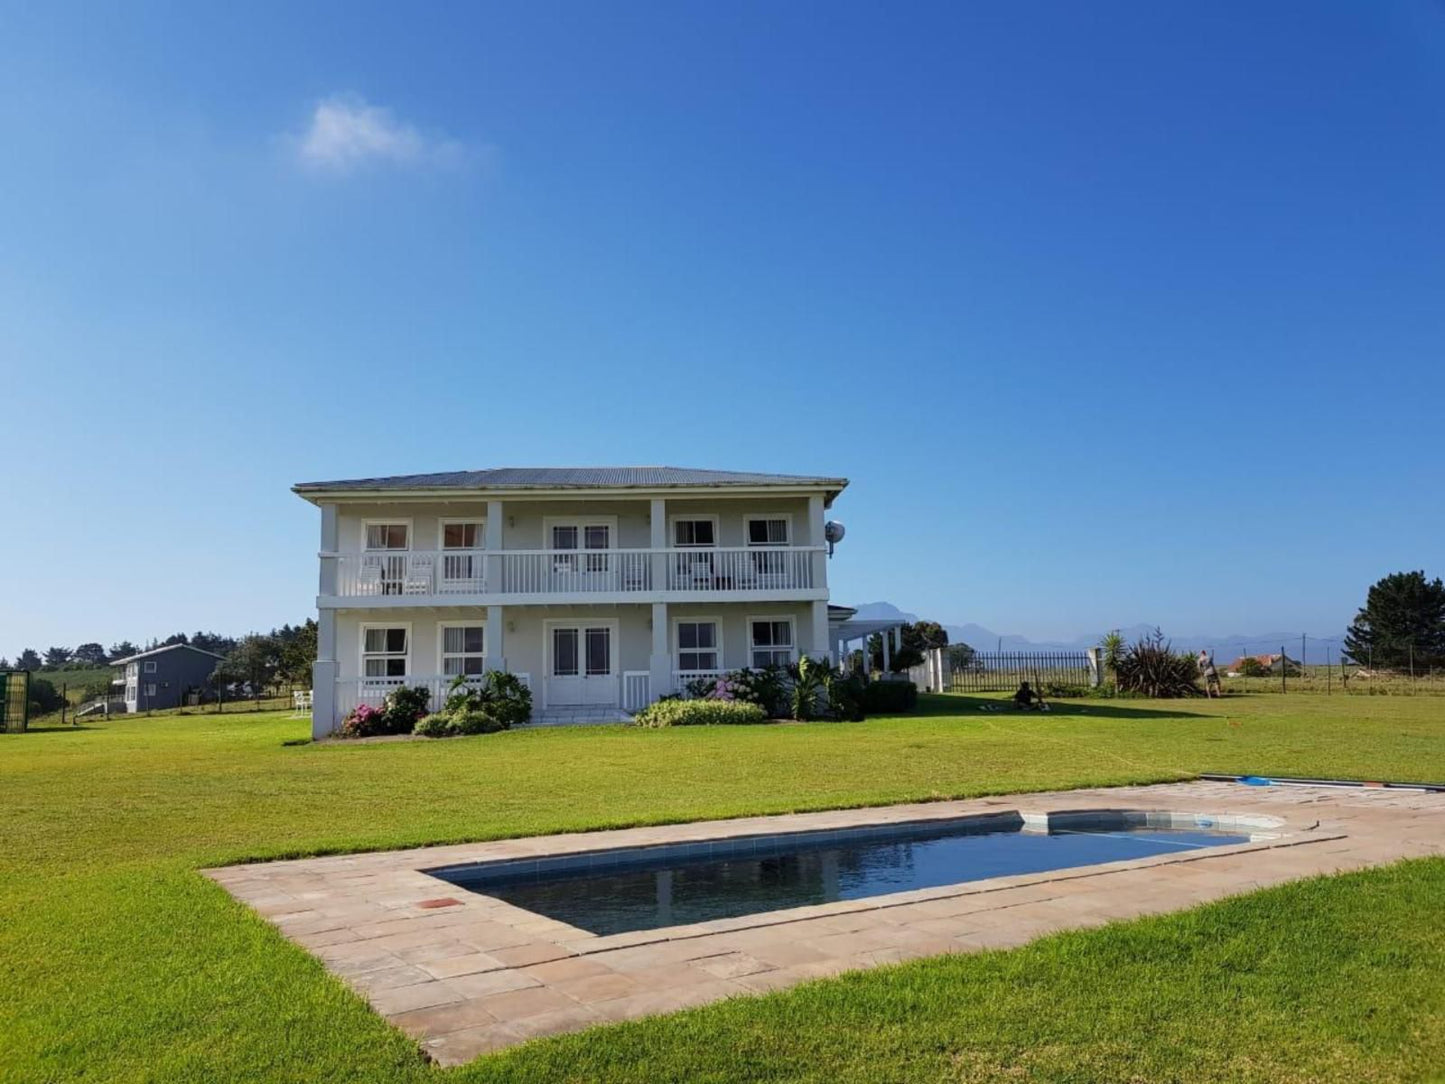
x: 638, y: 891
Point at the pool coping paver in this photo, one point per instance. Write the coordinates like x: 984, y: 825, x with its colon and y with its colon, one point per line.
x: 477, y: 975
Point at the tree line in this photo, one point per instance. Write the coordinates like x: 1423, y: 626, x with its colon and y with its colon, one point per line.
x: 92, y: 654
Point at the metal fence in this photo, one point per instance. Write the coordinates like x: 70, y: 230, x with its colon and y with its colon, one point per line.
x: 1002, y: 671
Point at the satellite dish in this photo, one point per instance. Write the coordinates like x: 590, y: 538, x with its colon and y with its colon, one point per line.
x: 833, y: 533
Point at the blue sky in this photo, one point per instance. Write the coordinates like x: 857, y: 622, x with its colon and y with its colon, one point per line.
x: 1111, y: 312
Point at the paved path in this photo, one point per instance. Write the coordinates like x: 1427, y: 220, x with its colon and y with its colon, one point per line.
x: 465, y: 973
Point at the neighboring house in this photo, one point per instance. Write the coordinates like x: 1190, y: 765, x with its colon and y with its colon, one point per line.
x: 163, y: 676
x: 1268, y: 663
x: 602, y: 588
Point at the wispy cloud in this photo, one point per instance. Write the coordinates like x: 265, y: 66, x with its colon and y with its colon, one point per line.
x: 346, y: 133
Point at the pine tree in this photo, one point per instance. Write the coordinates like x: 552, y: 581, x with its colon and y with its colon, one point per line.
x: 1402, y: 622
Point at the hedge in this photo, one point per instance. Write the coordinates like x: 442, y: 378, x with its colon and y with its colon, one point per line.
x: 699, y: 713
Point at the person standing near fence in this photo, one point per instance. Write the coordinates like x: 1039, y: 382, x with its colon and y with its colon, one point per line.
x: 1212, y: 685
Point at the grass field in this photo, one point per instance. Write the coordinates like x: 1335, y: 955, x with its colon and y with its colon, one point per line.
x: 118, y: 962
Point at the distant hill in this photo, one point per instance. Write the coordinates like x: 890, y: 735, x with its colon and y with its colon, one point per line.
x: 1224, y: 647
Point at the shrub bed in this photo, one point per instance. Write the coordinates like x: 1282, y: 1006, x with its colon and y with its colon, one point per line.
x: 699, y: 713
x: 451, y: 724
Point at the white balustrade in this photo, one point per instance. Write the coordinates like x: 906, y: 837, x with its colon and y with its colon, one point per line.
x: 636, y: 689
x: 705, y: 570
x: 352, y: 692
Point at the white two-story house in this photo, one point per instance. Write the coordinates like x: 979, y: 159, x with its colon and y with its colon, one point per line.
x: 603, y: 588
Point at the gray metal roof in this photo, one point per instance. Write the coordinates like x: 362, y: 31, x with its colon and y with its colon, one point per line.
x: 571, y: 478
x: 162, y: 651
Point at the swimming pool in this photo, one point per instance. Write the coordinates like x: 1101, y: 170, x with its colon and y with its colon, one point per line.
x: 648, y: 888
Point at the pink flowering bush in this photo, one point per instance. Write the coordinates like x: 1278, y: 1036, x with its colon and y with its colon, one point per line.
x: 363, y: 721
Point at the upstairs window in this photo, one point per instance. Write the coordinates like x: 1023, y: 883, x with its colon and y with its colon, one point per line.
x: 150, y: 666
x: 387, y: 536
x: 384, y: 652
x: 463, y: 649
x: 694, y: 532
x: 462, y: 536
x: 768, y: 531
x: 772, y: 643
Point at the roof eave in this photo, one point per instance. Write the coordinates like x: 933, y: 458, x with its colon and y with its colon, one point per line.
x: 830, y: 487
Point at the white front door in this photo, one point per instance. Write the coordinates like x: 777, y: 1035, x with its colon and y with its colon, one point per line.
x: 581, y: 664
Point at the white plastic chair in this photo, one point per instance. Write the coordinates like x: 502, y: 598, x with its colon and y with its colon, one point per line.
x: 418, y: 577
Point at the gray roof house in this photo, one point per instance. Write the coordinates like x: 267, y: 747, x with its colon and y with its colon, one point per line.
x: 601, y: 588
x: 162, y: 676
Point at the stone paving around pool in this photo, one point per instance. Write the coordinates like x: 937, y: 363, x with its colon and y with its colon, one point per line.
x: 465, y: 974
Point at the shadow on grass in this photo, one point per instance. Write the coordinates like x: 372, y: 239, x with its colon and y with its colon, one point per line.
x: 52, y: 728
x: 937, y: 704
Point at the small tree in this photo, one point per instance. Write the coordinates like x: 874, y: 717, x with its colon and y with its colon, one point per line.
x: 1252, y: 667
x: 1152, y: 668
x: 1111, y: 650
x: 914, y: 641
x: 122, y: 650
x: 29, y: 659
x: 57, y: 656
x: 1402, y: 623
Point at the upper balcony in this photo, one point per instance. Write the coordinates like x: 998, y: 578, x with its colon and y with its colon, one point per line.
x: 388, y: 578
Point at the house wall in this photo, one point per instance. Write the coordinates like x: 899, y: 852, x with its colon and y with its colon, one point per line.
x: 524, y: 635
x: 176, y: 672
x: 525, y: 521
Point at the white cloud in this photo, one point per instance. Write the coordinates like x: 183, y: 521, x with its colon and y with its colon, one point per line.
x: 346, y: 133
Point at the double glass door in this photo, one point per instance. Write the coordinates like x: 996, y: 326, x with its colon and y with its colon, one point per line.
x: 581, y: 665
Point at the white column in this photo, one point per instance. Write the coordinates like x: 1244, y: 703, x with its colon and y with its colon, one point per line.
x: 496, y: 657
x: 887, y: 654
x: 660, y: 663
x: 330, y: 540
x: 815, y: 538
x: 820, y: 630
x: 324, y: 670
x: 323, y: 676
x: 494, y: 544
x: 658, y: 542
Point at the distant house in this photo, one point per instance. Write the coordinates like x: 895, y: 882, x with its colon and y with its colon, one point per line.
x: 1268, y: 664
x: 163, y: 676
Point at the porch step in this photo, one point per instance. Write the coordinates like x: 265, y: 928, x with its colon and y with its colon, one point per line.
x: 580, y: 716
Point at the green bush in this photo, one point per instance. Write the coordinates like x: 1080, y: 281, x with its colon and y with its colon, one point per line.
x: 845, y: 697
x: 403, y: 707
x: 450, y: 724
x: 500, y: 695
x: 890, y: 697
x: 1152, y: 668
x: 699, y: 713
x: 43, y: 697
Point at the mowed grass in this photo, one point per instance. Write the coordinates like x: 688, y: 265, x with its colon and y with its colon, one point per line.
x: 119, y: 962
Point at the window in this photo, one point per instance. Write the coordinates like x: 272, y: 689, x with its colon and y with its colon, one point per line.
x: 772, y: 642
x: 467, y: 537
x: 697, y: 644
x: 384, y: 652
x: 150, y: 690
x: 462, y: 536
x: 131, y: 670
x: 130, y: 693
x: 599, y: 652
x: 591, y: 536
x: 769, y: 531
x: 387, y: 536
x: 463, y: 649
x: 564, y: 652
x: 150, y: 667
x: 694, y: 532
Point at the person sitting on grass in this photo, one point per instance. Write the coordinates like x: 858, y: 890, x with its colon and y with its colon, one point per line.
x: 1028, y: 700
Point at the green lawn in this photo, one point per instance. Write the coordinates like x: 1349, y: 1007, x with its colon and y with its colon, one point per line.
x: 118, y: 962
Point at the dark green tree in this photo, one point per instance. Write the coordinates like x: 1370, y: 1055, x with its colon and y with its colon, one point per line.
x: 123, y: 650
x: 915, y: 640
x: 1402, y: 622
x: 92, y: 653
x: 29, y: 659
x: 57, y: 656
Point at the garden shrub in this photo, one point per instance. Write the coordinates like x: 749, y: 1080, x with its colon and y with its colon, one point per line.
x: 363, y: 721
x: 450, y: 724
x: 890, y: 697
x: 436, y: 725
x: 699, y: 713
x: 846, y: 697
x: 398, y: 714
x: 1151, y: 668
x: 500, y: 695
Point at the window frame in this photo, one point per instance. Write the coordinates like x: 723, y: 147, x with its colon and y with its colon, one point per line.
x: 792, y: 648
x: 388, y: 521
x: 148, y: 667
x: 716, y: 649
x: 562, y: 561
x: 750, y: 517
x: 689, y: 517
x: 362, y: 630
x: 453, y: 521
x: 442, y: 652
x: 152, y: 690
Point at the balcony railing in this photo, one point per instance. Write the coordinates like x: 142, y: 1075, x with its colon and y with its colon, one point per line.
x: 373, y: 690
x: 424, y: 573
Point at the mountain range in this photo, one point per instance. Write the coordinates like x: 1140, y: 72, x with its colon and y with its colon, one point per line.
x: 1223, y: 647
